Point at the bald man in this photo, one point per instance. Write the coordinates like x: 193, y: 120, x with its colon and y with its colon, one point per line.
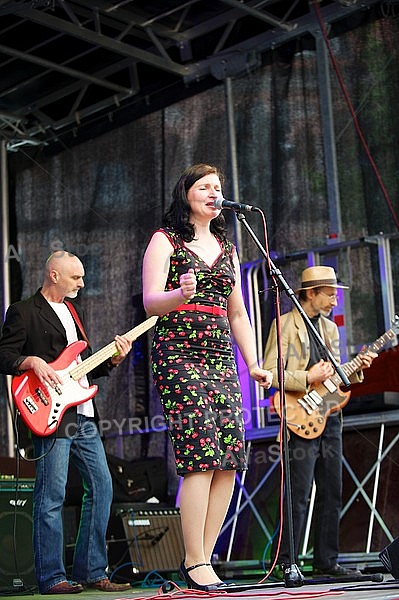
x: 34, y: 334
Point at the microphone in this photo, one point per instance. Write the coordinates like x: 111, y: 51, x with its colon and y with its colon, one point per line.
x: 223, y: 203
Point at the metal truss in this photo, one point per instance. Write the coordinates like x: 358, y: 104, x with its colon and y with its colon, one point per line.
x: 65, y: 64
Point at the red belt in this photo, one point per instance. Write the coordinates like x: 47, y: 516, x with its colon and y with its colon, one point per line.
x: 213, y: 310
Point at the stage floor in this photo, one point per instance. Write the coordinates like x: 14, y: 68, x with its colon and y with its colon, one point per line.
x: 388, y: 589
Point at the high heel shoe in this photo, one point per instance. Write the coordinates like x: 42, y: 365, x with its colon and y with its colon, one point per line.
x: 193, y: 585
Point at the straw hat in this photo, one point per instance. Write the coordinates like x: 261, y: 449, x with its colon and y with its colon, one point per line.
x: 313, y: 277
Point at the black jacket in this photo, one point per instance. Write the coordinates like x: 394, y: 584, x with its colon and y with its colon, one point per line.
x: 32, y: 328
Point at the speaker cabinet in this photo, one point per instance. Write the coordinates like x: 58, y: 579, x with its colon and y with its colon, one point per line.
x: 390, y: 558
x: 16, y: 526
x: 150, y: 537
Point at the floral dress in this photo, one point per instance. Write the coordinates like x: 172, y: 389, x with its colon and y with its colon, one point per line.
x: 194, y: 367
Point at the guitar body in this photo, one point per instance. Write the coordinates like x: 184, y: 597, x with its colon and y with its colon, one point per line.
x: 307, y: 416
x: 42, y: 407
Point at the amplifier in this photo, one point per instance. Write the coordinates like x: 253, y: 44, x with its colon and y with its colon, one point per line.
x: 151, y: 537
x: 16, y: 526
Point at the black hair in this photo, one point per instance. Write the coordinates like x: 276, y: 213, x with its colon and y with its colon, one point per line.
x: 178, y: 214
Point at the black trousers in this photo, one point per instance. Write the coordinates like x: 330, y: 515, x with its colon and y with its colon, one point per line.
x: 319, y: 459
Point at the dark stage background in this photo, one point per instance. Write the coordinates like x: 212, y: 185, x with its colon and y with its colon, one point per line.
x: 102, y: 199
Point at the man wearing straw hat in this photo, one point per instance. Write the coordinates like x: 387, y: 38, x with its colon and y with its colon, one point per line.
x: 306, y: 365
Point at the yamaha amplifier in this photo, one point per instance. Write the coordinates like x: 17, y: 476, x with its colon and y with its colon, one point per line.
x: 16, y: 526
x: 151, y: 537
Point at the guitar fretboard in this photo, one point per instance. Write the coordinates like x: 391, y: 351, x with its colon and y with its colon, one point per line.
x: 356, y: 363
x: 100, y: 356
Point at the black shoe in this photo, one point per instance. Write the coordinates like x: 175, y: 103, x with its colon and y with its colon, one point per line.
x: 336, y: 571
x: 193, y: 585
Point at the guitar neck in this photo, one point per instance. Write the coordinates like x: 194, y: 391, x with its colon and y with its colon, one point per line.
x: 100, y: 356
x: 355, y: 364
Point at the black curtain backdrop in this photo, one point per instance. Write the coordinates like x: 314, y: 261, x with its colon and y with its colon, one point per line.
x: 103, y: 198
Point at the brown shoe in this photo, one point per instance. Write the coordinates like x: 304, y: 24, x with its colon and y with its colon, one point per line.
x: 64, y: 587
x: 105, y: 585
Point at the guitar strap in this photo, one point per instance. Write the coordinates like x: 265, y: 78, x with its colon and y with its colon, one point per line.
x: 78, y: 322
x: 327, y: 342
x: 316, y: 351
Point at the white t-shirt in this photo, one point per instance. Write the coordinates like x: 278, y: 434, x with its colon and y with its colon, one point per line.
x: 64, y: 315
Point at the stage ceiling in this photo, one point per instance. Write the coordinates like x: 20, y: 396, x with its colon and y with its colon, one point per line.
x: 72, y: 69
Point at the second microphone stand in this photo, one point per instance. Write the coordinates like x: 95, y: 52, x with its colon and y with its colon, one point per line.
x: 292, y: 575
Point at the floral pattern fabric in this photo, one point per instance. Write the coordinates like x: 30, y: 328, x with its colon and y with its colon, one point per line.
x: 195, y: 370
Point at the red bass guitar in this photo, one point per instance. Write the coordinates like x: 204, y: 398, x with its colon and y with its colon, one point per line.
x: 42, y: 407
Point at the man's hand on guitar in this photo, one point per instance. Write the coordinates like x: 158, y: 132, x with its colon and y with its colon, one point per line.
x: 368, y: 358
x: 320, y: 371
x: 123, y: 345
x: 45, y: 372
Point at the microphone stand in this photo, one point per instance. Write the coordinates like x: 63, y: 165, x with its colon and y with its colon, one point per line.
x: 292, y: 575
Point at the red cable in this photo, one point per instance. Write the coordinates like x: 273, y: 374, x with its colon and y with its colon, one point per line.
x: 354, y: 117
x: 189, y: 594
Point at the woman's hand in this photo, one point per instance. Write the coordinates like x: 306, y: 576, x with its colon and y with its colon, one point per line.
x: 188, y: 284
x: 263, y: 377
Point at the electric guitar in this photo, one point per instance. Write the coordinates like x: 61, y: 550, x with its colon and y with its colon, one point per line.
x: 42, y: 407
x: 307, y: 416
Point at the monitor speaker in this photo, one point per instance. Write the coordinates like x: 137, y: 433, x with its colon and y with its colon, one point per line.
x: 16, y: 526
x: 151, y: 538
x: 390, y: 558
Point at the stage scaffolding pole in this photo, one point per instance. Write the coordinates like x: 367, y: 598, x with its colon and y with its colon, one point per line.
x: 5, y: 239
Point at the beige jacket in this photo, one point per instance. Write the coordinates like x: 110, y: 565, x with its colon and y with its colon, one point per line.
x: 295, y: 349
